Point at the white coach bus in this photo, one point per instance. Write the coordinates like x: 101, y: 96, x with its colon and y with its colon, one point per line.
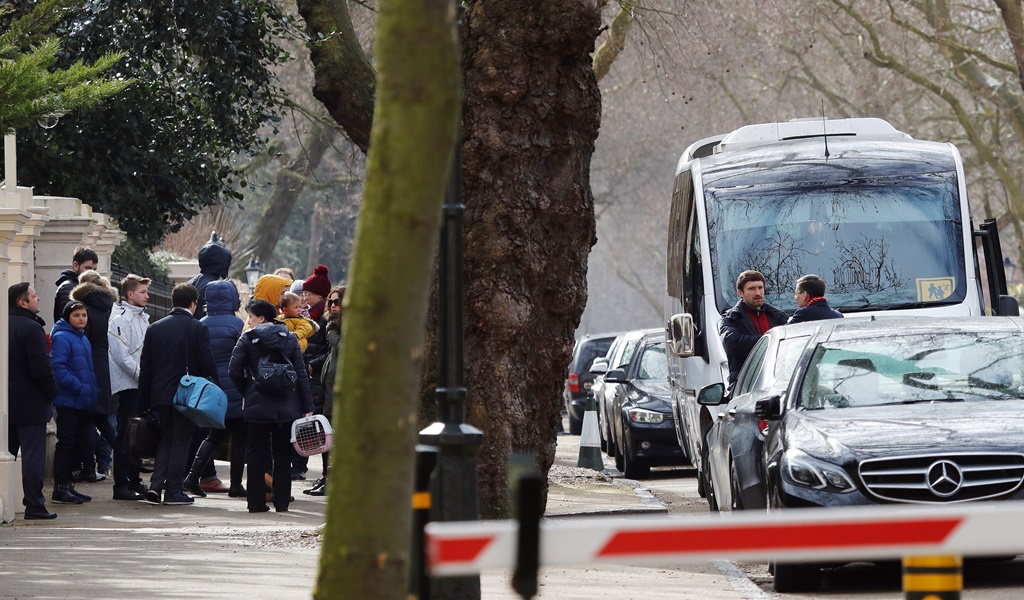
x: 882, y: 217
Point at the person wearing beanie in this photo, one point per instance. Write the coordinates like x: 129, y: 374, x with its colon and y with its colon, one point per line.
x: 317, y: 287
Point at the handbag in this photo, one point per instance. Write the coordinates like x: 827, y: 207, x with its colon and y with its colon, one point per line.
x: 199, y: 399
x: 141, y: 436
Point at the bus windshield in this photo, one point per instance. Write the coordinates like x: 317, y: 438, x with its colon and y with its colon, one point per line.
x: 886, y: 242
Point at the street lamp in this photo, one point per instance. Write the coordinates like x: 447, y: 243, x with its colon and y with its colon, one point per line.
x: 253, y: 270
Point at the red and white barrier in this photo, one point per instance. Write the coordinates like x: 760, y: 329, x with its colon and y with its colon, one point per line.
x: 814, y: 534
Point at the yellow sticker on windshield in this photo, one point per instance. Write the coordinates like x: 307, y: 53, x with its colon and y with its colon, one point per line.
x: 933, y: 289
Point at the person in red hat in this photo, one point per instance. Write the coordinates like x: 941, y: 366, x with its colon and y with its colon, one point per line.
x: 316, y: 288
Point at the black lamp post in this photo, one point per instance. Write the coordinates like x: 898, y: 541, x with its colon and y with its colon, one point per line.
x: 455, y: 482
x: 253, y: 270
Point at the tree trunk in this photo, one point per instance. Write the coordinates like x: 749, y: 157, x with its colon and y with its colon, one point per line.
x: 344, y: 77
x: 316, y: 235
x: 531, y: 116
x: 287, y: 187
x: 367, y: 534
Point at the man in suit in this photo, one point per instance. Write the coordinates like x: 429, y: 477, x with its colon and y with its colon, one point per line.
x: 31, y: 388
x: 174, y: 345
x: 811, y: 302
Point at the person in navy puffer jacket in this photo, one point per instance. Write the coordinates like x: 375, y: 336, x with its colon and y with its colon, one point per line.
x: 222, y: 303
x: 77, y: 392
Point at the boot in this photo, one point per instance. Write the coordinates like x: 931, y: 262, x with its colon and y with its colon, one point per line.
x: 203, y: 455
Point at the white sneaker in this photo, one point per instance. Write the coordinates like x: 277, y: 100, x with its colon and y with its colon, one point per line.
x: 100, y: 476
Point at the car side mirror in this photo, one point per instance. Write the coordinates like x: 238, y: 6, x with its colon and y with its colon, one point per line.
x: 768, y: 408
x: 712, y: 395
x: 681, y: 335
x: 1008, y: 306
x: 615, y: 376
x: 599, y: 367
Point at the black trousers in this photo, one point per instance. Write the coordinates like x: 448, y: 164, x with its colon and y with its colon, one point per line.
x: 268, y: 442
x: 126, y: 468
x: 31, y: 439
x: 172, y: 455
x: 73, y: 429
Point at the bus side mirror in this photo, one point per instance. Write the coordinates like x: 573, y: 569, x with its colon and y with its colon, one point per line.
x: 681, y: 335
x: 1008, y: 306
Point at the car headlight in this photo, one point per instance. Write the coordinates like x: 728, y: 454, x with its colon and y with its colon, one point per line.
x: 649, y: 417
x: 803, y: 469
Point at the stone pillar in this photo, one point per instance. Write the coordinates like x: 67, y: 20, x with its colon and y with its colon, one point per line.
x: 182, y: 270
x: 104, y: 239
x: 20, y: 250
x: 69, y: 224
x: 11, y: 222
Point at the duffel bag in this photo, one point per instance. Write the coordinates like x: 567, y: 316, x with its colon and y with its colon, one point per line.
x: 201, y: 401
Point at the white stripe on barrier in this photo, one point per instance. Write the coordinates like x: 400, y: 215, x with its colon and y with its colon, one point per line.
x: 817, y: 534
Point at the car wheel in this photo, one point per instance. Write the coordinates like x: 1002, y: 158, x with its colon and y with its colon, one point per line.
x: 613, y: 448
x: 619, y: 460
x: 634, y: 468
x: 602, y: 430
x: 704, y: 477
x: 791, y: 578
x: 575, y: 425
x: 734, y: 486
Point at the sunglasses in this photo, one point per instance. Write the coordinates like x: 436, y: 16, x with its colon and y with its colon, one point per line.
x: 334, y: 302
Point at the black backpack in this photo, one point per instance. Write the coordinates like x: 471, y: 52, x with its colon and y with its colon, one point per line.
x: 275, y: 375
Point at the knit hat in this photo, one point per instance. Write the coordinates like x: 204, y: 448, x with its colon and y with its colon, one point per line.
x: 318, y: 283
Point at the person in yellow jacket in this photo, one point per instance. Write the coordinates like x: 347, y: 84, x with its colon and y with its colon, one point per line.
x: 291, y: 315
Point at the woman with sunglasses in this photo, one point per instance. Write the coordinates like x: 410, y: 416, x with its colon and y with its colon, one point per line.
x: 329, y: 369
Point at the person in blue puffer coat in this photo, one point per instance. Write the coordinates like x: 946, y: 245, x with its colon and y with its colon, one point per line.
x: 77, y: 391
x: 222, y: 302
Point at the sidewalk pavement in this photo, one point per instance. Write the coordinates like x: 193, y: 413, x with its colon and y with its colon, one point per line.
x: 216, y: 549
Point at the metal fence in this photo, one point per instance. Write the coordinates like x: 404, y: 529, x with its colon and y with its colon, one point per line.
x: 159, y: 291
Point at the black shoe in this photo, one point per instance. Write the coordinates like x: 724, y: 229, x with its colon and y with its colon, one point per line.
x: 178, y: 499
x: 192, y: 486
x: 123, y: 493
x: 80, y: 494
x: 139, y: 487
x: 236, y: 491
x: 43, y: 515
x: 318, y: 485
x: 298, y: 475
x: 153, y: 496
x: 63, y: 495
x: 147, y: 465
x: 320, y: 490
x: 260, y: 509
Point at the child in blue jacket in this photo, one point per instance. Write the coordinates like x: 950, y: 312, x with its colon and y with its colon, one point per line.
x: 77, y: 392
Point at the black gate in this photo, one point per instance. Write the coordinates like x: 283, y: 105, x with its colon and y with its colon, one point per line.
x: 159, y: 291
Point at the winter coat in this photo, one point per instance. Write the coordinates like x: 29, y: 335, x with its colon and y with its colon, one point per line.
x: 255, y: 343
x: 99, y: 303
x: 31, y: 386
x: 302, y: 327
x: 739, y: 334
x: 175, y: 344
x: 125, y: 334
x: 818, y: 310
x: 221, y: 303
x: 65, y: 283
x: 73, y: 368
x: 317, y: 353
x: 329, y: 373
x: 269, y: 288
x: 214, y: 264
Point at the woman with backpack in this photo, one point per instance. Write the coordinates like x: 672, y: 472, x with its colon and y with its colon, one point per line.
x: 267, y: 367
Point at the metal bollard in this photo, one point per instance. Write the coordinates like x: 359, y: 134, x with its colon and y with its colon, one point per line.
x: 932, y: 577
x: 528, y: 495
x: 426, y: 460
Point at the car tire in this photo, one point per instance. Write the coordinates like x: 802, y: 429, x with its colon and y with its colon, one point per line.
x: 634, y: 469
x: 613, y: 448
x: 575, y: 425
x: 704, y: 478
x: 619, y: 461
x: 792, y: 578
x: 734, y: 485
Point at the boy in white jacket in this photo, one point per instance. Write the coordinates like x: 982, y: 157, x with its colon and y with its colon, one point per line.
x: 125, y: 334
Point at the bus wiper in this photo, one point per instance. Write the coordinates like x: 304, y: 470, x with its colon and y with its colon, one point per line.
x: 894, y: 306
x: 931, y: 400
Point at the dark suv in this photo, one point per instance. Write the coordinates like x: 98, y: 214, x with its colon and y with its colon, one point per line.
x: 577, y: 384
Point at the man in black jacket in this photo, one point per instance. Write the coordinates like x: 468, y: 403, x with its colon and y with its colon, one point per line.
x: 214, y: 264
x: 173, y: 345
x: 811, y: 302
x: 744, y: 324
x: 31, y: 389
x: 85, y: 259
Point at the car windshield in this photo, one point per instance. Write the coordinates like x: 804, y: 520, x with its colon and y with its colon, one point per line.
x: 908, y: 369
x: 652, y: 363
x: 880, y: 243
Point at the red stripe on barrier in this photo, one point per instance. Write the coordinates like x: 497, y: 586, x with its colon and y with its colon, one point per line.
x: 678, y: 540
x: 464, y: 550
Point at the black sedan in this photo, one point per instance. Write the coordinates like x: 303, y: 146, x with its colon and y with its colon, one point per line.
x: 643, y: 431
x: 914, y: 411
x: 734, y: 475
